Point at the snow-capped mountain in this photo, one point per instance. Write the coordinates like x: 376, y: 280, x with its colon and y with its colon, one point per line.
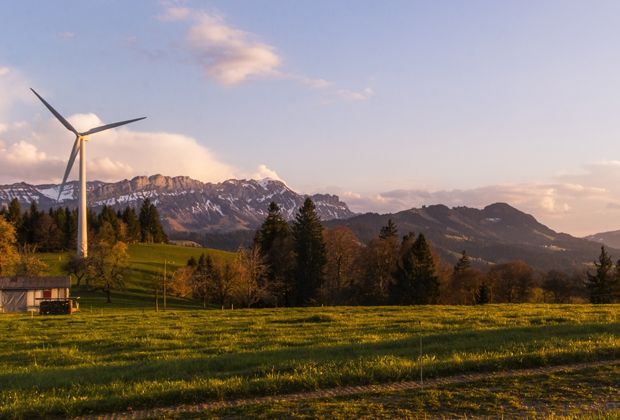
x: 184, y: 203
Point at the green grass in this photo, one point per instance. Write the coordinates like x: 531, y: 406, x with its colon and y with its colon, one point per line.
x: 111, y: 360
x: 146, y: 268
x: 586, y: 394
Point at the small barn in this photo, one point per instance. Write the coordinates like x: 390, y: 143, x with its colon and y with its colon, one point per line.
x: 22, y: 294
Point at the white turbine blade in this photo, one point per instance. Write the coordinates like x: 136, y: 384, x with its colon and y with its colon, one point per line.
x: 74, y: 153
x: 108, y: 126
x: 56, y: 114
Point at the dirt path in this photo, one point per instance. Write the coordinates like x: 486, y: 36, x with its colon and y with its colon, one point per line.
x: 346, y: 391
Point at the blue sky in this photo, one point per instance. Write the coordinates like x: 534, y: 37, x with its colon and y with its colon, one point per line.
x: 388, y: 104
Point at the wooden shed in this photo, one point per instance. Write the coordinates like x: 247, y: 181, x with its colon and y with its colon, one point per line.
x: 22, y: 294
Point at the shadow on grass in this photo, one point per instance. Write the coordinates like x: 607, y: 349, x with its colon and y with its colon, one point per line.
x: 255, y: 364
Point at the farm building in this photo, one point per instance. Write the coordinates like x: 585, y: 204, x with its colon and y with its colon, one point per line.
x: 21, y: 294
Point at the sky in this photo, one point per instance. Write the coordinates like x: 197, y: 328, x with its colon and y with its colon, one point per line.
x: 390, y: 105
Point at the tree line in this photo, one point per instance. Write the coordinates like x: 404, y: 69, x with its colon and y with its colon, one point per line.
x: 56, y: 229
x: 303, y: 264
x: 24, y: 233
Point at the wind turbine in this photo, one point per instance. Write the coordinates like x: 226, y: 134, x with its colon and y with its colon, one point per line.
x: 80, y: 146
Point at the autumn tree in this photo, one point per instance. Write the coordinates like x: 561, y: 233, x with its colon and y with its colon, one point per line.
x: 511, y: 282
x: 250, y: 271
x: 8, y: 251
x: 29, y: 264
x: 465, y: 282
x: 342, y: 268
x: 378, y: 265
x: 107, y: 265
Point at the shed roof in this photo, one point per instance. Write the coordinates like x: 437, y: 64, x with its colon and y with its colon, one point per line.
x: 26, y: 283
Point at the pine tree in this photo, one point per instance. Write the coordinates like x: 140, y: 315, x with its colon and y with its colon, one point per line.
x: 14, y: 213
x: 151, y: 229
x: 133, y: 225
x: 416, y: 278
x: 463, y: 263
x: 600, y: 284
x: 483, y: 296
x: 274, y: 240
x: 310, y: 254
x: 389, y: 230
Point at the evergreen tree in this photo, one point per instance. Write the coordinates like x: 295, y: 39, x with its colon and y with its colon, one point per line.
x: 600, y: 284
x: 310, y: 258
x: 133, y: 225
x: 463, y: 263
x: 483, y: 296
x: 151, y: 230
x: 389, y: 230
x: 416, y: 278
x: 274, y: 240
x: 14, y: 213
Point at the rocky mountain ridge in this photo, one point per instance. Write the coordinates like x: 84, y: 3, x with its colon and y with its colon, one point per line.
x: 185, y: 204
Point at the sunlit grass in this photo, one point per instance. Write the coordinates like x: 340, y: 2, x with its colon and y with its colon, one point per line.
x: 99, y: 362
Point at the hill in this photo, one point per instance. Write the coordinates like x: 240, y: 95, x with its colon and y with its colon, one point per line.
x: 495, y: 234
x: 610, y: 239
x: 146, y: 270
x: 185, y: 205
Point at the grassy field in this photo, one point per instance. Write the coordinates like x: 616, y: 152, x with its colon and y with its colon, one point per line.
x: 108, y: 360
x: 146, y: 269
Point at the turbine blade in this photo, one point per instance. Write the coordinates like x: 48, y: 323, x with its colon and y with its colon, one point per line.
x: 56, y: 114
x: 108, y: 126
x: 72, y: 156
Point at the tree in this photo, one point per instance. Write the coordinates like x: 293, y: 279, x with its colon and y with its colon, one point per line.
x: 14, y: 213
x: 274, y: 239
x: 133, y: 225
x: 342, y: 268
x: 601, y: 283
x: 511, y: 282
x: 483, y: 296
x: 416, y: 277
x: 181, y: 283
x: 76, y: 266
x: 203, y: 272
x: 389, y: 230
x: 29, y: 265
x: 250, y: 271
x: 378, y: 265
x: 221, y: 284
x: 151, y: 230
x: 107, y: 266
x: 465, y: 282
x: 8, y: 251
x: 310, y: 255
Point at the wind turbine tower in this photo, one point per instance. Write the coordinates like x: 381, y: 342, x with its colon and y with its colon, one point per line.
x: 80, y: 146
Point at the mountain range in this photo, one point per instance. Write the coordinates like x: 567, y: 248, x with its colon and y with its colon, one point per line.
x: 495, y: 234
x: 184, y: 204
x: 225, y: 215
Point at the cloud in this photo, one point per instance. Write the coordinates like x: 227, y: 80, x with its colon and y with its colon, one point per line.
x: 38, y: 153
x: 4, y: 71
x: 232, y: 56
x: 352, y: 95
x: 227, y: 54
x: 262, y: 172
x: 66, y: 35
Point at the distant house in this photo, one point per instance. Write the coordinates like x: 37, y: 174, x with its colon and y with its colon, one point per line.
x: 22, y: 294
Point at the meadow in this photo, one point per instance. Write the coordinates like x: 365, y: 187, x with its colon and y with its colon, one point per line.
x: 110, y: 359
x: 147, y: 263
